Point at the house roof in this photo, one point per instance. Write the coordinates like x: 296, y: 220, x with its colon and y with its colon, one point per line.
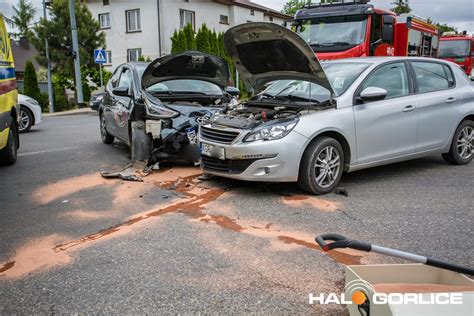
x: 23, y: 51
x: 251, y: 5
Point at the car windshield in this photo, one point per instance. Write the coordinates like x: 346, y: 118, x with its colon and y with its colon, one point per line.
x: 340, y: 75
x: 183, y: 86
x: 459, y: 48
x: 333, y: 33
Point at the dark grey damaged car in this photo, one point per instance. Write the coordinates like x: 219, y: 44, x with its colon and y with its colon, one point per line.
x: 155, y: 108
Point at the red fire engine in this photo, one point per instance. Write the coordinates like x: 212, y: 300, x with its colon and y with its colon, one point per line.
x: 458, y: 48
x: 356, y: 29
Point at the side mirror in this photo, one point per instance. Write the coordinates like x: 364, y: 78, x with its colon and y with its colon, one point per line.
x: 387, y: 29
x: 372, y: 94
x: 121, y: 91
x: 233, y: 91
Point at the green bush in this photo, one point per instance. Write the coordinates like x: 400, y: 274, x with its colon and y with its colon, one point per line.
x: 60, y: 100
x: 86, y: 92
x: 30, y: 82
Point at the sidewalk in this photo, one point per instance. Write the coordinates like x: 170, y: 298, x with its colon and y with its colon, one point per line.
x: 80, y: 111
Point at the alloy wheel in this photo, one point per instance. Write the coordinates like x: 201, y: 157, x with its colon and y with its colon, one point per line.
x: 24, y: 120
x: 103, y: 131
x: 328, y: 166
x: 465, y: 144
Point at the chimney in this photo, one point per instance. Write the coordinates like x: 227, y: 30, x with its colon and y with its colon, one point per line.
x: 23, y: 42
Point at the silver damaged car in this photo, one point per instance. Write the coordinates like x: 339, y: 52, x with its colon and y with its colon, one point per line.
x: 317, y: 120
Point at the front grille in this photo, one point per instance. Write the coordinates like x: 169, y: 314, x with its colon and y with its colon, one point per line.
x: 231, y: 166
x: 218, y: 135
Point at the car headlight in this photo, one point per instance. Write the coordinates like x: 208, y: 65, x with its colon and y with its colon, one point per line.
x: 32, y: 101
x: 272, y: 131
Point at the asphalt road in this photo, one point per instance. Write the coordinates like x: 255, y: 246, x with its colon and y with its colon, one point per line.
x: 72, y: 242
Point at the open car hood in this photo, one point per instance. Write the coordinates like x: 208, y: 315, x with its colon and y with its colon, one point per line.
x: 187, y: 65
x: 264, y: 52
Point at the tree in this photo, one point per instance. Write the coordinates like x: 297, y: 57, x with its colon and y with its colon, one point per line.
x: 202, y: 39
x: 292, y: 6
x: 23, y: 14
x: 189, y: 34
x: 401, y: 7
x: 58, y: 32
x: 443, y: 27
x: 30, y: 82
x: 174, y: 42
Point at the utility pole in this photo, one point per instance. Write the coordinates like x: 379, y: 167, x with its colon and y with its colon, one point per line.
x: 48, y: 67
x: 75, y: 52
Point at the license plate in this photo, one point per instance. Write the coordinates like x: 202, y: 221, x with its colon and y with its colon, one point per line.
x: 213, y: 151
x: 191, y: 133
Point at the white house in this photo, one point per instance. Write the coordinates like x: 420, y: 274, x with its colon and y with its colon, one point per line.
x: 144, y: 27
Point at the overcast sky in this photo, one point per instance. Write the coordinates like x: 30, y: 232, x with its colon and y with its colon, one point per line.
x: 459, y: 13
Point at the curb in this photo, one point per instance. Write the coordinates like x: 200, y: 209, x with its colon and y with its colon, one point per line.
x: 67, y: 113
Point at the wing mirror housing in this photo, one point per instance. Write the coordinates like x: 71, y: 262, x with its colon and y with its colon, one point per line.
x: 387, y: 29
x: 235, y: 92
x: 121, y: 91
x: 372, y: 94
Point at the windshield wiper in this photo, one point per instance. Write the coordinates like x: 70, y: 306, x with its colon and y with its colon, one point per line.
x: 291, y: 97
x: 336, y: 44
x: 169, y: 92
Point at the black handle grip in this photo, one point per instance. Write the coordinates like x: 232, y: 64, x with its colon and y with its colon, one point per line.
x: 340, y: 241
x: 449, y: 266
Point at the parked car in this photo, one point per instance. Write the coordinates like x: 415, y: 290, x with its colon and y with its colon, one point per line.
x: 155, y: 107
x: 96, y: 100
x: 30, y: 113
x: 318, y: 120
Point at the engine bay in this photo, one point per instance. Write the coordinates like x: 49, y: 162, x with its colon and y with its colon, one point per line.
x: 249, y: 116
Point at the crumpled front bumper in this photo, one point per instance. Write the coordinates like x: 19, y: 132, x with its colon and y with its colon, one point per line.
x: 269, y: 161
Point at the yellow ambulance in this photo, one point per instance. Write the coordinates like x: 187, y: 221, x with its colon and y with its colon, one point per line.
x: 9, y: 109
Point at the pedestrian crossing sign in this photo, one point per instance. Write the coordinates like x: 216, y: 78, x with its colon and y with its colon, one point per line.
x: 100, y: 57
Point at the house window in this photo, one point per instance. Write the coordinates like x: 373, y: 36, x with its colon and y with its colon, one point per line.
x: 224, y: 19
x: 105, y: 2
x: 133, y: 20
x: 252, y: 12
x: 108, y: 56
x: 104, y: 20
x: 186, y: 17
x: 133, y: 54
x: 271, y: 19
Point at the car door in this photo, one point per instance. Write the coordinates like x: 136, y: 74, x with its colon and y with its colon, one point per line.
x: 109, y: 101
x: 437, y: 102
x: 386, y: 129
x: 122, y: 105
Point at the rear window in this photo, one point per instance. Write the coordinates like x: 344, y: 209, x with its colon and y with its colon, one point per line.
x: 432, y: 76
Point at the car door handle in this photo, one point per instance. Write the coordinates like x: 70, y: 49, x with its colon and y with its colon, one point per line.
x: 409, y: 108
x: 450, y: 100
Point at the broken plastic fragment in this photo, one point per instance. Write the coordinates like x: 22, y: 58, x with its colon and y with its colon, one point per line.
x: 128, y: 173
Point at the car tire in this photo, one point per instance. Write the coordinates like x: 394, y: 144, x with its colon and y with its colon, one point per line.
x: 317, y: 175
x: 462, y: 145
x: 104, y: 135
x: 8, y: 154
x: 26, y: 119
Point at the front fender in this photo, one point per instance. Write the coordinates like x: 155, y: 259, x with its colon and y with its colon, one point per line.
x: 340, y: 121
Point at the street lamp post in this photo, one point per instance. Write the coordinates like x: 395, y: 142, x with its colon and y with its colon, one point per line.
x: 46, y: 47
x: 75, y: 49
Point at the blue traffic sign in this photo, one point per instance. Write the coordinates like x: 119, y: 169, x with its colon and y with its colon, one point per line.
x: 100, y: 56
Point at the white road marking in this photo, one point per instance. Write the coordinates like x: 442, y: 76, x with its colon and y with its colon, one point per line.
x: 47, y: 151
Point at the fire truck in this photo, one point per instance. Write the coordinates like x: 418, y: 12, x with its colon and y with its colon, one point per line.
x: 458, y: 48
x: 357, y: 29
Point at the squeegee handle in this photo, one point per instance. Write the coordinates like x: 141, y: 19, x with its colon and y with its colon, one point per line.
x: 340, y: 241
x: 449, y: 266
